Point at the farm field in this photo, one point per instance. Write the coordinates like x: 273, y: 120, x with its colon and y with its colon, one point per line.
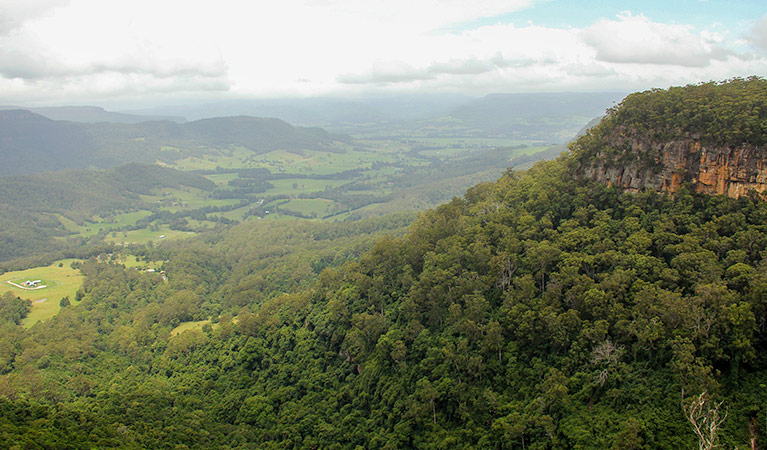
x: 98, y: 224
x: 131, y: 262
x: 235, y: 214
x: 351, y: 182
x: 60, y: 282
x: 309, y: 207
x: 188, y: 198
x: 145, y: 235
x: 295, y: 186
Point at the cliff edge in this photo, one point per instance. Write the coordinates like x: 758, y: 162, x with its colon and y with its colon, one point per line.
x: 712, y: 136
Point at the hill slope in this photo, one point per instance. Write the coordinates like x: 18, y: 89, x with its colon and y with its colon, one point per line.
x: 30, y: 205
x: 92, y: 114
x: 31, y: 143
x: 537, y: 309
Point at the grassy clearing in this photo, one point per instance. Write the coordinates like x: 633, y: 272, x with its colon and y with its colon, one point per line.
x: 60, y: 281
x: 292, y: 186
x: 130, y: 261
x: 222, y: 179
x: 330, y: 163
x: 97, y: 224
x: 186, y: 198
x: 316, y: 207
x: 205, y: 224
x: 187, y: 326
x: 235, y: 214
x: 226, y: 158
x: 146, y: 235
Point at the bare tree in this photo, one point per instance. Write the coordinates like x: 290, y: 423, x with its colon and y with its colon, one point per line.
x: 703, y: 414
x: 606, y: 355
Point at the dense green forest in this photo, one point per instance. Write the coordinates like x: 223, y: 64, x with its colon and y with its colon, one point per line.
x: 536, y: 312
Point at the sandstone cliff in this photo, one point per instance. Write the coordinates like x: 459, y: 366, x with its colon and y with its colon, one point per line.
x: 712, y: 136
x: 731, y: 171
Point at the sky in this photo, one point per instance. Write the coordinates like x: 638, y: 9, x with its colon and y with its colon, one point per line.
x: 55, y: 52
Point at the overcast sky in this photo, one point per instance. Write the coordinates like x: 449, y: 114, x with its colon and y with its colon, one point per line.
x: 153, y: 51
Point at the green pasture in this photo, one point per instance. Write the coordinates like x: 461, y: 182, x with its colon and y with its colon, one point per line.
x: 234, y: 158
x: 97, y: 224
x: 294, y: 186
x: 130, y: 261
x: 146, y: 235
x: 60, y: 282
x: 442, y: 152
x: 235, y: 214
x: 328, y: 163
x: 222, y: 179
x: 317, y: 207
x: 206, y: 224
x: 186, y: 198
x: 324, y: 163
x: 188, y: 326
x: 195, y: 163
x: 344, y: 215
x: 278, y: 158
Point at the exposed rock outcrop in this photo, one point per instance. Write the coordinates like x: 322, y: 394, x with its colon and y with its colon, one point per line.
x: 634, y: 164
x: 711, y: 135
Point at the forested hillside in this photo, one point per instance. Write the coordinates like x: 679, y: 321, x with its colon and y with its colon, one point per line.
x: 537, y: 312
x: 545, y: 310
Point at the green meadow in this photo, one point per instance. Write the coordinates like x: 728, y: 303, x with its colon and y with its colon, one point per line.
x: 294, y: 186
x: 318, y: 207
x: 145, y: 235
x: 60, y: 282
x: 188, y: 326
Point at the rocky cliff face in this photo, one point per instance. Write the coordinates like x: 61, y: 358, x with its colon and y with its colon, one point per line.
x: 635, y: 163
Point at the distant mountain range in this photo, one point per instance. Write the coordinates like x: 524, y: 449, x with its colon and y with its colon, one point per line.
x: 31, y: 143
x: 92, y: 114
x: 549, y: 117
x: 321, y: 111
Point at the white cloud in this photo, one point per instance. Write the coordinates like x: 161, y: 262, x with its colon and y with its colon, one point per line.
x: 757, y: 34
x: 89, y: 49
x: 637, y: 39
x: 14, y: 14
x: 92, y: 47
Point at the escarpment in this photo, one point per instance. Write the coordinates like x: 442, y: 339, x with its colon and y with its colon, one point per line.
x: 712, y: 136
x: 664, y: 166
